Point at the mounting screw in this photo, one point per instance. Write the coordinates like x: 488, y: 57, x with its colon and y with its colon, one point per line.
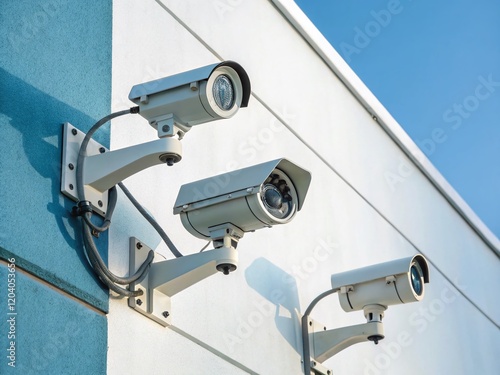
x: 165, y: 314
x: 165, y: 128
x: 138, y: 245
x: 99, y: 203
x: 70, y: 186
x: 310, y: 323
x: 71, y: 166
x: 313, y: 364
x: 324, y: 328
x: 74, y: 132
x: 102, y: 150
x: 139, y: 302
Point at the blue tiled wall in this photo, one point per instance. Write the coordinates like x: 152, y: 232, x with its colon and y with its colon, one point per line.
x: 55, y: 66
x: 53, y: 334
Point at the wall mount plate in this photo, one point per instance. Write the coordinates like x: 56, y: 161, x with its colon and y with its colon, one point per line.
x: 153, y: 304
x: 72, y: 139
x: 317, y: 367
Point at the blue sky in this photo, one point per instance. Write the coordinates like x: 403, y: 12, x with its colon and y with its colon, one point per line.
x: 436, y: 67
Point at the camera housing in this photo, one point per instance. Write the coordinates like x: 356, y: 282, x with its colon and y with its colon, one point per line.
x: 194, y: 97
x: 391, y: 283
x: 248, y: 199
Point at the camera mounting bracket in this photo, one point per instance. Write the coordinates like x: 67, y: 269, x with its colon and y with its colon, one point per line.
x: 72, y: 139
x: 169, y: 277
x: 103, y: 169
x: 324, y: 343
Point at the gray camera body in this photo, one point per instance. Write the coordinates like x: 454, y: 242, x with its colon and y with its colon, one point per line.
x: 391, y: 283
x: 248, y: 199
x: 194, y: 97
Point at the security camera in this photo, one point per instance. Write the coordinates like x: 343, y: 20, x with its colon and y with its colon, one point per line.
x: 194, y: 97
x: 371, y: 289
x: 260, y: 196
x: 384, y: 284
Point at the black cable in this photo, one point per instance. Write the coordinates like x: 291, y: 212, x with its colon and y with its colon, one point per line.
x: 80, y: 190
x: 100, y: 268
x: 105, y: 280
x: 94, y: 255
x: 152, y: 221
x: 102, y: 271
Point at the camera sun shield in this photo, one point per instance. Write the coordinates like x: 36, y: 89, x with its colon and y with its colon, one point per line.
x: 260, y: 196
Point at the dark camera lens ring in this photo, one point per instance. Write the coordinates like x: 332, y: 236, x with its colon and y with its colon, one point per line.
x: 417, y: 279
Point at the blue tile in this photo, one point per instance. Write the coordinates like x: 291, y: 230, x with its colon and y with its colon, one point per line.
x: 53, y: 333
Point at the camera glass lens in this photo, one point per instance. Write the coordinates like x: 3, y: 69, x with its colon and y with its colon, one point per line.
x: 223, y: 92
x: 416, y: 279
x: 275, y: 202
x: 273, y: 197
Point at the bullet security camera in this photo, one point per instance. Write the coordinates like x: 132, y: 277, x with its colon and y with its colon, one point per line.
x: 385, y: 284
x: 371, y: 289
x: 260, y: 196
x: 194, y: 97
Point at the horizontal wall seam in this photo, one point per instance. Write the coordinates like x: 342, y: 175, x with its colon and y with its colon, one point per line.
x: 24, y: 268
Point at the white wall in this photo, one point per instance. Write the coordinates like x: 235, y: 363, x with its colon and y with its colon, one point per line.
x: 246, y: 322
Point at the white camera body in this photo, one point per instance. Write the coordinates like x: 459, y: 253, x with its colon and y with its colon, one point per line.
x: 194, y: 97
x: 391, y: 283
x: 251, y: 198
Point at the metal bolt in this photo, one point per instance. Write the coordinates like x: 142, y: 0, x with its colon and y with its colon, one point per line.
x: 138, y: 245
x: 139, y: 302
x: 324, y: 328
x: 314, y: 364
x: 74, y: 132
x: 70, y: 186
x: 100, y: 203
x: 71, y: 166
x: 165, y: 128
x: 310, y: 323
x: 102, y: 150
x: 165, y: 314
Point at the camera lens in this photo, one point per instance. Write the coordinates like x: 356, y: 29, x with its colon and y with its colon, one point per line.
x: 273, y: 198
x: 416, y: 278
x: 223, y: 92
x: 274, y: 202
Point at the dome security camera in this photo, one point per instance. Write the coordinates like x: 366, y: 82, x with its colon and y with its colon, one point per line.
x: 194, y: 97
x: 391, y: 283
x: 259, y: 196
